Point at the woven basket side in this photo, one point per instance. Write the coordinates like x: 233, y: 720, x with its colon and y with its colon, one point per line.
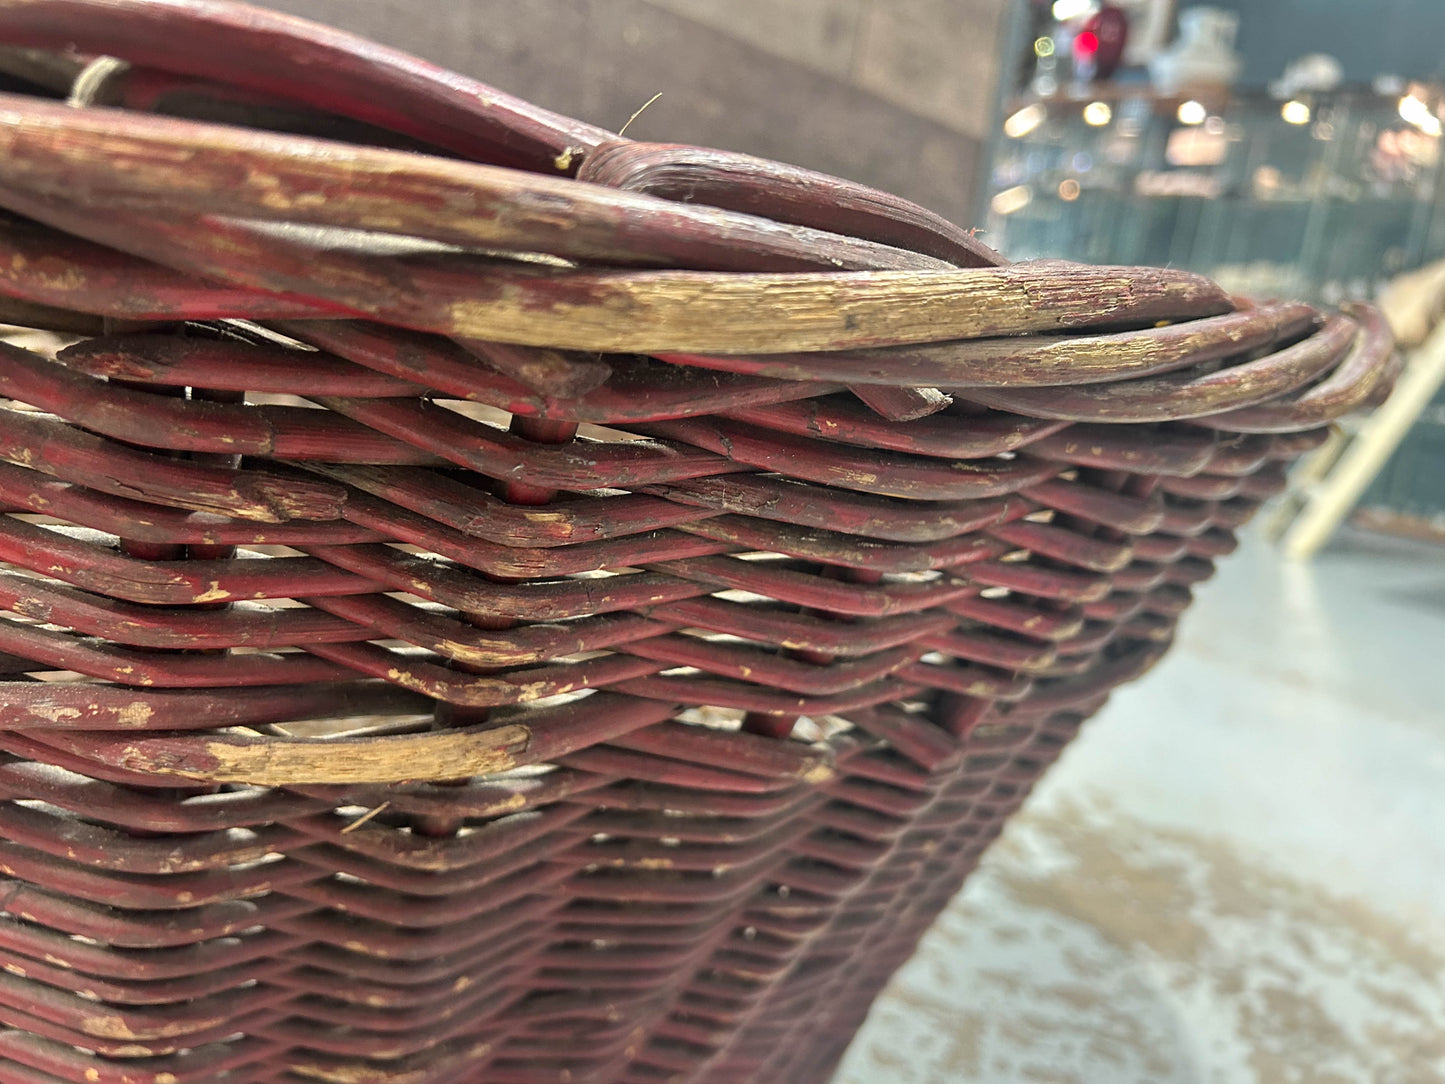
x: 485, y: 599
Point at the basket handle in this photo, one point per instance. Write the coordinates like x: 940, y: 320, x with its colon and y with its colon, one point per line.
x: 798, y: 197
x: 783, y: 193
x: 304, y: 62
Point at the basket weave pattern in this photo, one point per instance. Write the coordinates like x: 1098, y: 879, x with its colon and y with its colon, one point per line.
x: 487, y: 600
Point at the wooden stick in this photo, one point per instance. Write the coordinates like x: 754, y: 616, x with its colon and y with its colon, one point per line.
x: 1370, y: 450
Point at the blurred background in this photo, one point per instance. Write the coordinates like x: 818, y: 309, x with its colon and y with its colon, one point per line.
x: 1236, y: 874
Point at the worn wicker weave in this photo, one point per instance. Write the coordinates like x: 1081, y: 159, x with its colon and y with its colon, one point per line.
x: 372, y: 714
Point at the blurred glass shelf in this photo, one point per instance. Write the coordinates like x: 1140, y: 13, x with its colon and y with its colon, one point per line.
x: 1321, y: 197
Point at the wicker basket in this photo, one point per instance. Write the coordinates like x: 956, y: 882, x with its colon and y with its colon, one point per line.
x: 467, y: 624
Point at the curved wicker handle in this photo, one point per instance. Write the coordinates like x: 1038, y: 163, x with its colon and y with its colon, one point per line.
x: 784, y: 193
x: 297, y: 60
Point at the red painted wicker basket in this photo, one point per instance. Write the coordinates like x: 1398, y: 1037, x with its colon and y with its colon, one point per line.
x: 486, y: 600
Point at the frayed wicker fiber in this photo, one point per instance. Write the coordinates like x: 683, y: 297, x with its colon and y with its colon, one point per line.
x: 486, y: 600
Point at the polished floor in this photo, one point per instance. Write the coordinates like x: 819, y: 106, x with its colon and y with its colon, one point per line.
x: 1237, y: 873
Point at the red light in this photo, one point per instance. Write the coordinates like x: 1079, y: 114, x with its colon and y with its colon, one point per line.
x: 1087, y: 43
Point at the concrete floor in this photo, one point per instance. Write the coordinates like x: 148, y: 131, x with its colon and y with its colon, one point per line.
x: 1235, y: 876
